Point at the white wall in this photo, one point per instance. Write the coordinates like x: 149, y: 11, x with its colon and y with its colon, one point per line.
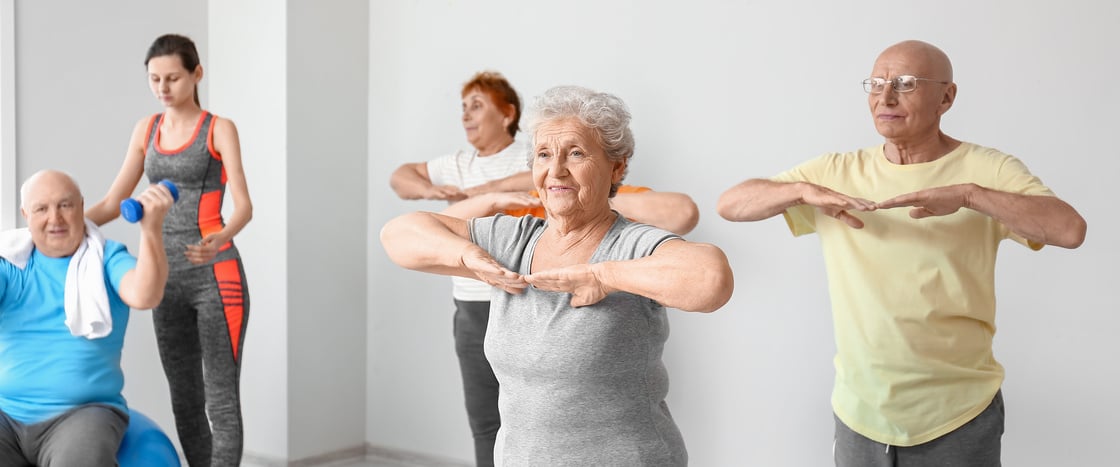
x: 82, y: 86
x: 723, y: 91
x: 8, y: 181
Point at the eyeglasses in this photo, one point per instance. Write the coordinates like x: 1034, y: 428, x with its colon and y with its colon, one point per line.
x: 903, y: 83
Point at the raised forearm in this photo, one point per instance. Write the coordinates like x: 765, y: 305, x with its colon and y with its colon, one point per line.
x: 475, y: 206
x: 428, y: 242
x: 758, y: 199
x: 104, y: 211
x: 675, y: 212
x: 408, y: 182
x: 144, y: 287
x: 1042, y: 219
x: 519, y: 182
x: 683, y: 275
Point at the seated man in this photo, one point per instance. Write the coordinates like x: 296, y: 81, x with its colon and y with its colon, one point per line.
x: 675, y: 212
x: 65, y: 295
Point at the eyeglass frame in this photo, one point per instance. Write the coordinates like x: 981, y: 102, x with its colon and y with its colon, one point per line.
x: 867, y: 83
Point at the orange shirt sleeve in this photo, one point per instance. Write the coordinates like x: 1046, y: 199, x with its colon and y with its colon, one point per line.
x: 539, y: 211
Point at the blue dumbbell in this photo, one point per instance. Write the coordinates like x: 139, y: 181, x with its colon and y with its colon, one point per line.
x: 131, y: 209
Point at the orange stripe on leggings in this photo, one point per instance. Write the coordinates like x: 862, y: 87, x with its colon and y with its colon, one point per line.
x: 229, y: 284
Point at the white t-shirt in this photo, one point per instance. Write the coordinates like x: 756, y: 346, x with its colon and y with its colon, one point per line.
x: 466, y: 169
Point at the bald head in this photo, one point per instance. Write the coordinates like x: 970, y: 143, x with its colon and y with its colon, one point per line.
x: 925, y: 59
x: 52, y: 204
x: 54, y: 179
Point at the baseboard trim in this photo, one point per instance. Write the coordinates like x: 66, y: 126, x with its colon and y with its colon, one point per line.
x: 368, y: 452
x: 355, y: 453
x: 411, y: 458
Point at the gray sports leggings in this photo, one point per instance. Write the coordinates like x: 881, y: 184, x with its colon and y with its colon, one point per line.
x: 200, y: 329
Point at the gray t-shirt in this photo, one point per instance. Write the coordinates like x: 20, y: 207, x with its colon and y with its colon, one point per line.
x: 578, y: 386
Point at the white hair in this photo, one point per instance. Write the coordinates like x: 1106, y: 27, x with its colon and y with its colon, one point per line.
x: 604, y: 113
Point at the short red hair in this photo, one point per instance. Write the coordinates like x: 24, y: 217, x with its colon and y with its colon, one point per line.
x: 501, y: 94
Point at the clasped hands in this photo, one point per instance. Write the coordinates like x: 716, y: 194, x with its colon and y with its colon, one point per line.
x: 580, y: 280
x: 940, y: 201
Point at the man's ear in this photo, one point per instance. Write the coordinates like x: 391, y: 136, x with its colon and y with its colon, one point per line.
x: 947, y: 98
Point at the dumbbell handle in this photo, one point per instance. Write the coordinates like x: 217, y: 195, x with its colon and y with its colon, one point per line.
x: 133, y: 211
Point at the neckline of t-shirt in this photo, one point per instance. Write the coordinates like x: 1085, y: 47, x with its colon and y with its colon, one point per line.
x: 881, y: 157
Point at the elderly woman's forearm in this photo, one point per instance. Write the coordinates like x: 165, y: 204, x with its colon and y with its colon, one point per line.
x: 691, y: 277
x: 428, y: 242
x: 675, y: 212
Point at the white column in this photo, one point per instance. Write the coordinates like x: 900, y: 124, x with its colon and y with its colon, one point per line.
x: 294, y: 77
x: 327, y: 52
x: 248, y: 84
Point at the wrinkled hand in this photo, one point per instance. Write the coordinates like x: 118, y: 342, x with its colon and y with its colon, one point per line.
x: 940, y: 201
x: 444, y: 193
x: 205, y: 250
x: 491, y: 272
x: 156, y: 201
x: 835, y: 204
x: 579, y: 280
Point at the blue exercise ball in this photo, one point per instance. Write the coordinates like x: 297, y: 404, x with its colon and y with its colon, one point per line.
x: 145, y: 444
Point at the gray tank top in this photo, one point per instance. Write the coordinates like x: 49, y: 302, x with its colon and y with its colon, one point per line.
x: 197, y: 170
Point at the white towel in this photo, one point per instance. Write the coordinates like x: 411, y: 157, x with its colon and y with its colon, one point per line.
x: 86, y: 301
x: 16, y: 246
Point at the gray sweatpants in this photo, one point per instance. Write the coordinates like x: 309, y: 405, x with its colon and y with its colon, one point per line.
x: 83, y: 436
x: 480, y: 386
x: 976, y: 444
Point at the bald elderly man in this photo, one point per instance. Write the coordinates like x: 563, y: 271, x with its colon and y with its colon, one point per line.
x: 912, y: 289
x: 65, y: 295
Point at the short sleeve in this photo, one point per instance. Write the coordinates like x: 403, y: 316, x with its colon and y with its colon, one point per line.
x: 7, y: 273
x: 441, y: 170
x: 118, y: 261
x: 801, y: 219
x: 632, y: 189
x: 1012, y: 176
x: 504, y: 237
x: 639, y: 240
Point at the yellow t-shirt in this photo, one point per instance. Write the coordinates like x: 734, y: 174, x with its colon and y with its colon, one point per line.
x: 913, y: 300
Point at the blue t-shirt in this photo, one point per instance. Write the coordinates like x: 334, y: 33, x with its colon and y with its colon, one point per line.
x: 44, y: 370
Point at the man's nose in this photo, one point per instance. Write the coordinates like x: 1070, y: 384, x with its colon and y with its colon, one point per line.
x: 889, y: 96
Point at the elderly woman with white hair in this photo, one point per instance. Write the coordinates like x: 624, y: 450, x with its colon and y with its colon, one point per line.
x: 578, y: 323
